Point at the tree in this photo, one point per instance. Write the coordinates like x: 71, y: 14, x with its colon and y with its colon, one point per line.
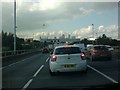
x: 8, y: 41
x: 104, y: 40
x: 86, y: 41
x: 107, y: 40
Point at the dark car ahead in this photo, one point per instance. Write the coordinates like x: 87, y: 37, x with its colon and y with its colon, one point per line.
x: 45, y: 50
x: 100, y: 52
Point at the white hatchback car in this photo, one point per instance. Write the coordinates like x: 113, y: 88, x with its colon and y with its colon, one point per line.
x: 66, y: 59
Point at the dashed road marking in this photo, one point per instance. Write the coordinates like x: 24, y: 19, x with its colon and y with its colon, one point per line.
x: 47, y: 59
x: 27, y: 84
x: 114, y: 81
x: 30, y: 81
x: 3, y: 67
x: 38, y: 71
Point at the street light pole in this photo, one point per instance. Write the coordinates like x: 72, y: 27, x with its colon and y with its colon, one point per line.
x: 96, y: 38
x: 15, y: 27
x: 93, y: 32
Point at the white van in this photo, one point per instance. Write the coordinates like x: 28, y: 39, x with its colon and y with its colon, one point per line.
x: 81, y: 46
x: 89, y: 46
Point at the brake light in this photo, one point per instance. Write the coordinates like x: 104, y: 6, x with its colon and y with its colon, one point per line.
x: 82, y: 56
x: 53, y: 58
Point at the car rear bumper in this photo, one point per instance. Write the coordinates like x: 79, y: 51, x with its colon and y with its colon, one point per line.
x: 101, y: 56
x: 60, y: 67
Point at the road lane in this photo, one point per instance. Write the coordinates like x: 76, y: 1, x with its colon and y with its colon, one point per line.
x: 17, y: 75
x: 34, y: 73
x: 108, y: 67
x: 11, y: 60
x: 44, y: 80
x: 114, y: 81
x: 17, y: 61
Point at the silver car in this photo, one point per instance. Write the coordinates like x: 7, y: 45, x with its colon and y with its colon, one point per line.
x: 67, y: 59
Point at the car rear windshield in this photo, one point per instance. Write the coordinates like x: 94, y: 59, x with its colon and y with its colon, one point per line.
x: 100, y: 48
x: 67, y: 50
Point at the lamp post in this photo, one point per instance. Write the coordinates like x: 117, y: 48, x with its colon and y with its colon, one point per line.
x: 96, y: 38
x: 93, y: 32
x: 15, y: 26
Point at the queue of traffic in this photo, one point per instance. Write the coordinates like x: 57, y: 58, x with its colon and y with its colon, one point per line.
x: 67, y: 58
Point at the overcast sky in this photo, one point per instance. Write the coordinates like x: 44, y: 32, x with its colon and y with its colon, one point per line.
x: 48, y: 18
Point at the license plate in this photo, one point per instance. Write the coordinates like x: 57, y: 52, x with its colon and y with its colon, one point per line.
x: 69, y: 65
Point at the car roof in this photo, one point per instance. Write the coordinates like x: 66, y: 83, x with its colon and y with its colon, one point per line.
x: 98, y: 45
x: 66, y: 46
x: 107, y: 45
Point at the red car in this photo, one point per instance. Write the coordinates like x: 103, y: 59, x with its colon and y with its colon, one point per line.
x: 99, y: 52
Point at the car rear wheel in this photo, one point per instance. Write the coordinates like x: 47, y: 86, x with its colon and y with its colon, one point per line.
x: 85, y: 71
x: 52, y: 73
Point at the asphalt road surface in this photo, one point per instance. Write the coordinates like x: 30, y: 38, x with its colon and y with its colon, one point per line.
x: 33, y: 72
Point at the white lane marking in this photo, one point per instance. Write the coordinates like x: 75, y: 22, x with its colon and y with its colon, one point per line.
x: 3, y: 67
x: 27, y: 84
x: 14, y: 63
x: 47, y: 59
x: 38, y: 71
x: 103, y: 74
x: 17, y: 62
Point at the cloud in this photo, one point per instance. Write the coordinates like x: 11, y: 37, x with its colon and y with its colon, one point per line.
x: 110, y: 31
x: 85, y: 32
x: 50, y: 34
x: 7, y: 16
x: 66, y: 0
x: 101, y: 27
x: 86, y: 11
x: 31, y: 17
x: 35, y: 14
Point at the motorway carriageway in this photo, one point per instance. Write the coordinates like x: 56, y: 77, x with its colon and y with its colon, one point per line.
x: 33, y: 72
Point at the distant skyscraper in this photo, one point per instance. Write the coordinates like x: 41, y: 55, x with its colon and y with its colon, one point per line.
x: 55, y: 37
x: 118, y: 34
x: 63, y: 36
x: 73, y: 37
x: 40, y: 38
x: 69, y: 36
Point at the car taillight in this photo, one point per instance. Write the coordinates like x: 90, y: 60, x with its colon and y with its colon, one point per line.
x: 53, y: 58
x: 82, y: 56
